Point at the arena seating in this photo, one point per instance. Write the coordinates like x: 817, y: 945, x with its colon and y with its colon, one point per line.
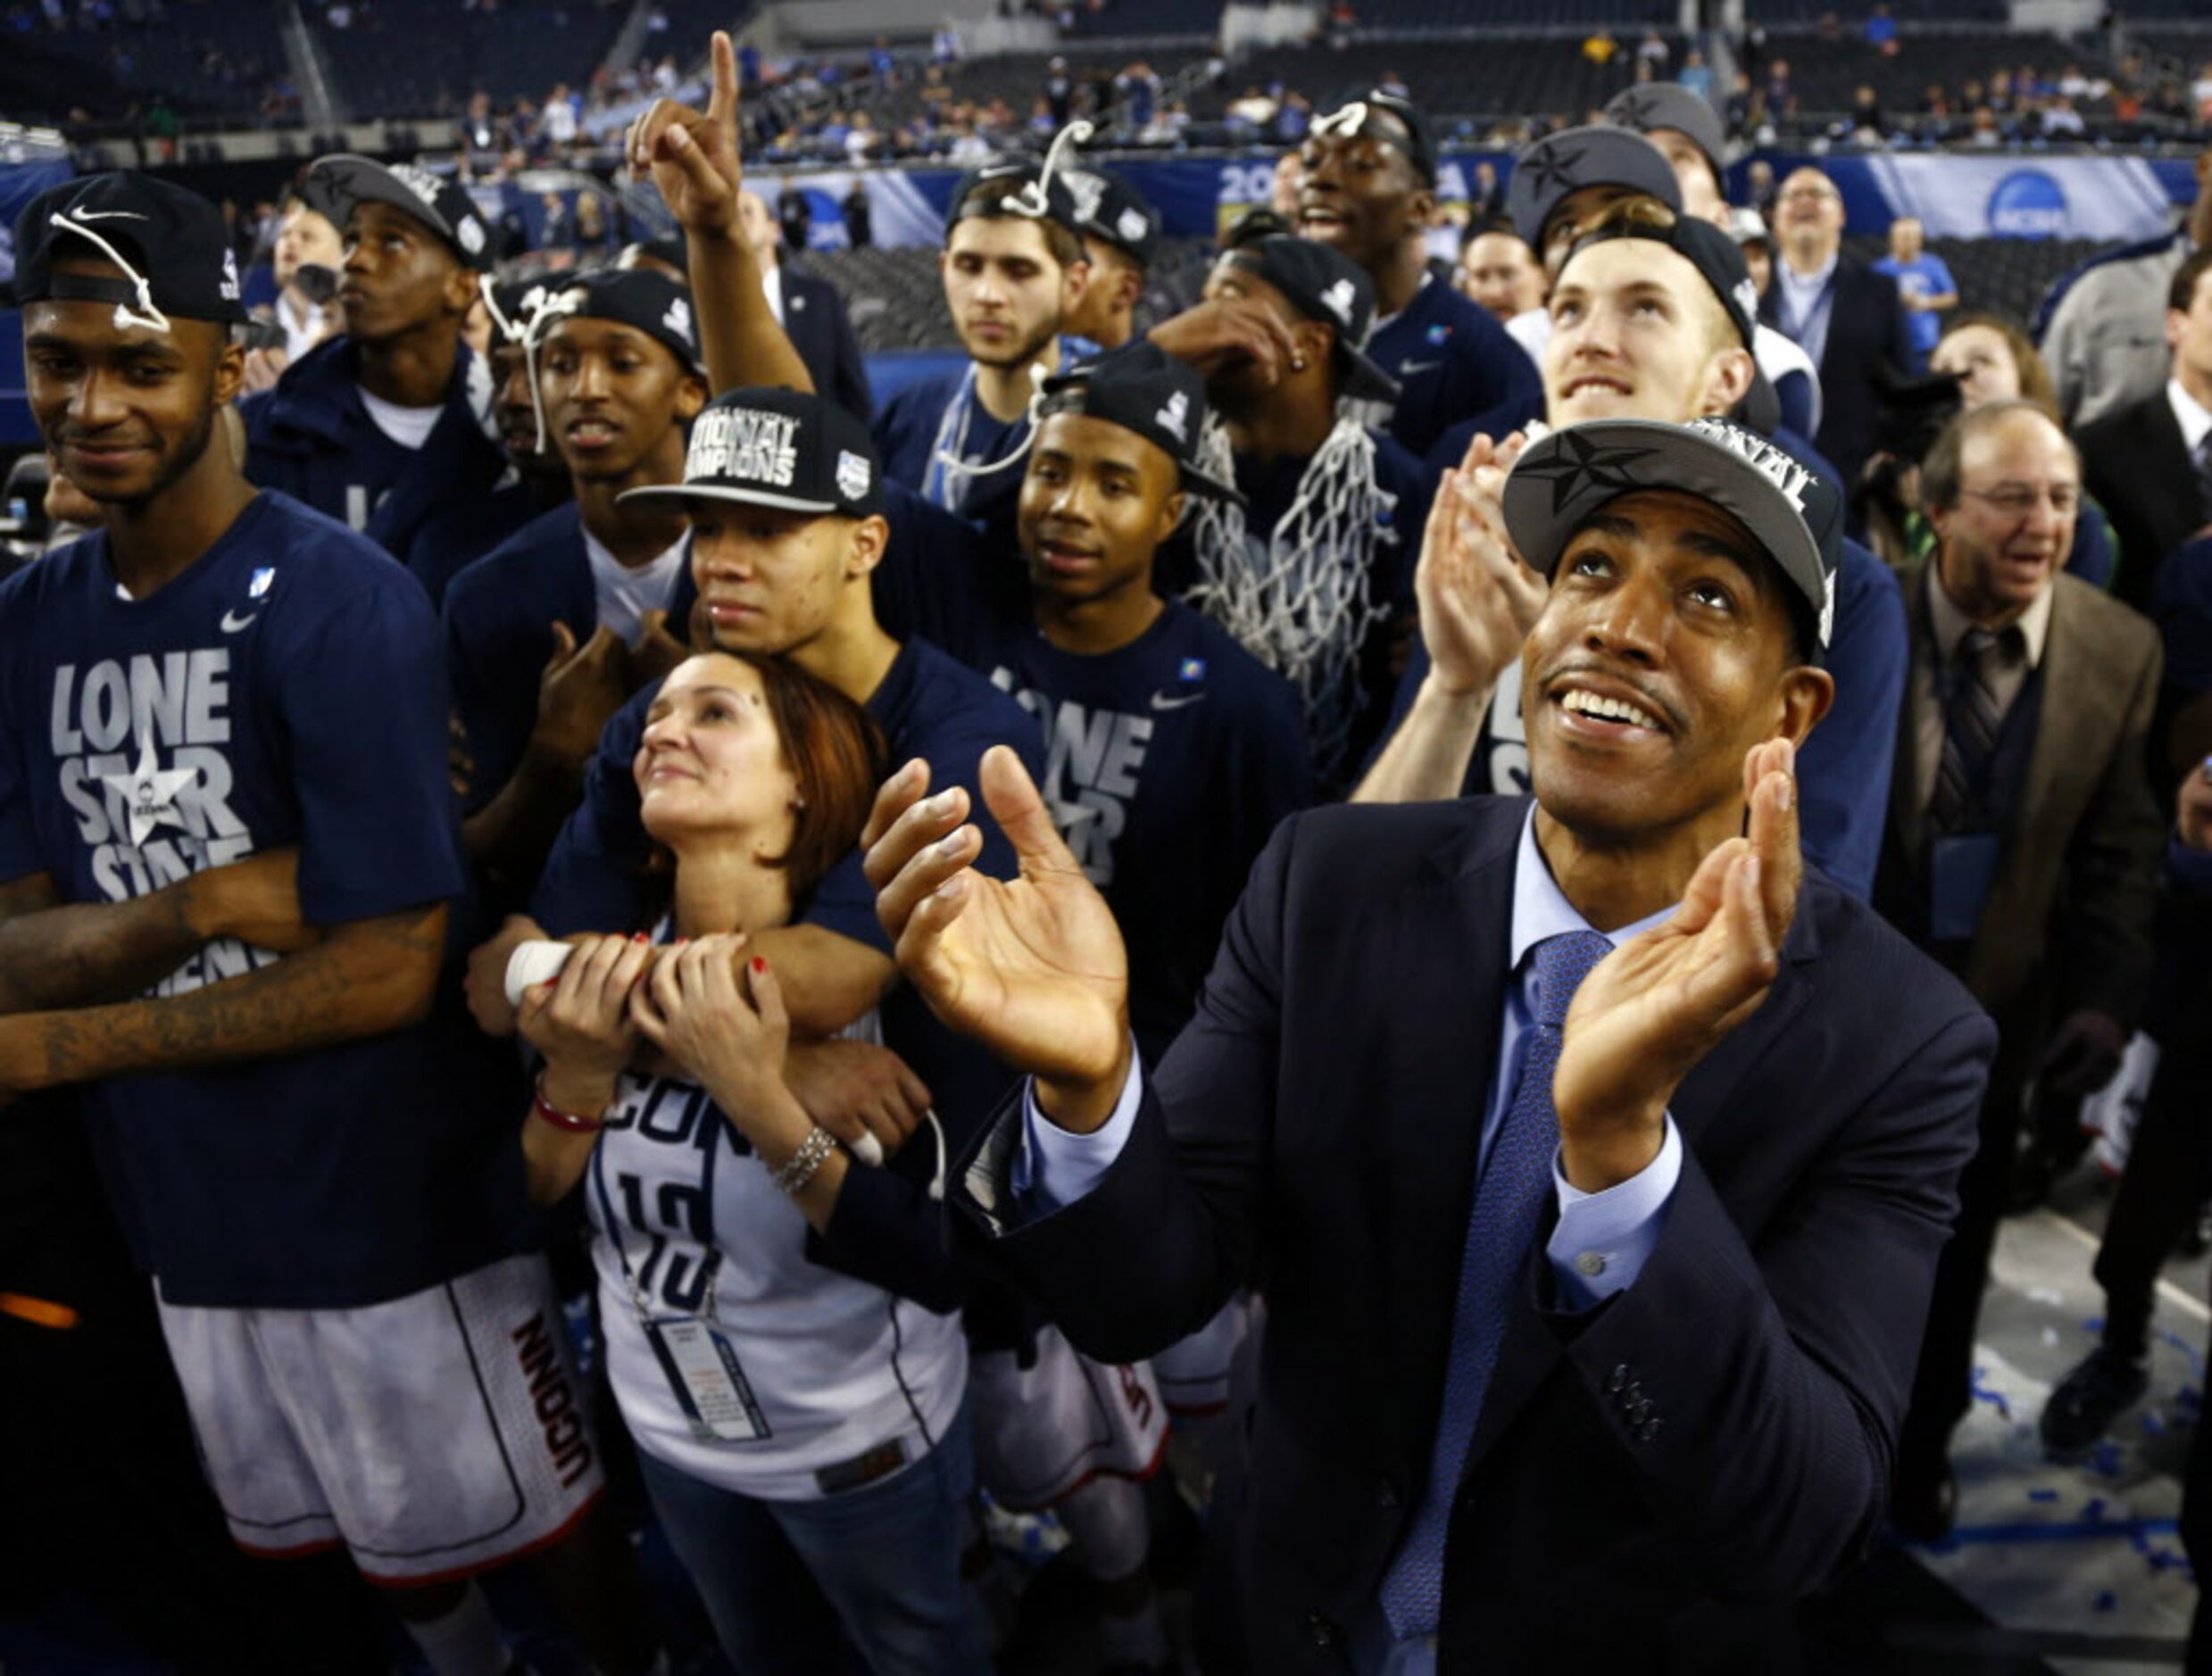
x: 1460, y: 77
x: 1826, y: 74
x: 424, y: 58
x: 207, y: 57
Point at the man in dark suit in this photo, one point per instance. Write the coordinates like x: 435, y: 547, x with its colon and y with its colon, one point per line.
x: 2149, y: 465
x: 811, y: 313
x: 1580, y: 1321
x: 2023, y: 838
x: 1841, y: 313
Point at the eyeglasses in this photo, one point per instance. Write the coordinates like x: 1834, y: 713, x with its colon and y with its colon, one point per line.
x: 2018, y: 501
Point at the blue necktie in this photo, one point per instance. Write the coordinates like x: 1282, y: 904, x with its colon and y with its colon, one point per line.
x: 1508, y: 1203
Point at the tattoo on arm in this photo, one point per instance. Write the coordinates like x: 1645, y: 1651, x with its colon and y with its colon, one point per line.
x: 53, y: 954
x: 367, y: 978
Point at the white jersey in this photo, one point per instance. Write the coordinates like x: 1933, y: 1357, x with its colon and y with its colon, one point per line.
x: 832, y: 1383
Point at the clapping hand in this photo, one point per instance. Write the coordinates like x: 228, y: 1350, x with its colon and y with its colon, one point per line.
x: 1477, y: 600
x: 1661, y: 1002
x: 1032, y: 966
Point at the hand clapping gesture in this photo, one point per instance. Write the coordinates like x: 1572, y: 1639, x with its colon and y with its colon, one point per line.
x: 1033, y: 968
x: 1661, y: 1002
x: 1477, y: 600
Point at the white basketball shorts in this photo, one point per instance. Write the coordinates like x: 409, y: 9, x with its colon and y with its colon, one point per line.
x: 1045, y: 1430
x: 434, y: 1435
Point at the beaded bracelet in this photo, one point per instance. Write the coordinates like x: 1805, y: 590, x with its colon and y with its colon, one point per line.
x: 574, y: 1122
x: 813, y: 1153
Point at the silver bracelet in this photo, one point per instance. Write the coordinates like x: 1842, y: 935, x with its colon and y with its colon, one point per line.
x: 799, y: 1169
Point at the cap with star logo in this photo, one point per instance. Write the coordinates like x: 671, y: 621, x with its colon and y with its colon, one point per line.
x: 638, y: 297
x: 1658, y: 104
x: 1148, y: 392
x: 1566, y: 477
x: 335, y: 184
x: 175, y: 256
x: 1109, y: 208
x: 1323, y: 284
x: 791, y: 450
x: 1562, y: 163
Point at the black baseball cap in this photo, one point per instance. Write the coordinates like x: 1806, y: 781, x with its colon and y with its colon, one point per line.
x: 671, y: 250
x: 1109, y: 208
x: 1657, y: 104
x: 638, y: 297
x: 1055, y: 202
x: 337, y: 183
x: 1562, y: 163
x: 1145, y: 390
x: 1717, y: 257
x: 171, y: 244
x: 1323, y: 284
x: 1259, y: 221
x: 789, y: 449
x: 1564, y: 478
x: 512, y: 303
x: 1409, y: 132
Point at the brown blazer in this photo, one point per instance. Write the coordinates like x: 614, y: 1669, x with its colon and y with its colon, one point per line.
x: 2068, y: 924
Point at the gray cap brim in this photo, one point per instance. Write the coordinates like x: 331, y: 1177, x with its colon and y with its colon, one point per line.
x: 335, y: 184
x: 1563, y: 479
x: 1562, y: 164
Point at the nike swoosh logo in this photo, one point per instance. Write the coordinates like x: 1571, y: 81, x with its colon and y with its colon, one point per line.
x: 233, y: 622
x: 1161, y: 701
x: 1412, y: 367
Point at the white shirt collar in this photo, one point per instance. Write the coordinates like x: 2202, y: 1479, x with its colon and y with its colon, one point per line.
x: 2190, y: 414
x: 1809, y: 283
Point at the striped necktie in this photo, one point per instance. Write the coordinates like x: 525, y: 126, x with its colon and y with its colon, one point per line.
x: 1970, y: 722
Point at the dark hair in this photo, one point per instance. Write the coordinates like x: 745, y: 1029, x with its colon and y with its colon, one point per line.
x: 2183, y: 292
x: 835, y: 753
x: 987, y: 201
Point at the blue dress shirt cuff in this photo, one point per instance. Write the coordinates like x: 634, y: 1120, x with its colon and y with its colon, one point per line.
x: 1603, y: 1240
x: 1054, y: 1168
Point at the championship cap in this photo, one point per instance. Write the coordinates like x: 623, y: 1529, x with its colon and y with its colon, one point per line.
x: 1567, y: 477
x: 1109, y: 208
x: 337, y: 183
x: 1565, y: 162
x: 1044, y: 196
x: 1323, y: 284
x: 1658, y: 104
x: 789, y: 449
x: 1717, y: 257
x: 1409, y: 132
x: 171, y: 244
x: 638, y: 297
x: 1747, y: 226
x: 1145, y: 390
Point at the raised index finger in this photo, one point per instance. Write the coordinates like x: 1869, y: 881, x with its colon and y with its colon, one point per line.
x: 723, y: 106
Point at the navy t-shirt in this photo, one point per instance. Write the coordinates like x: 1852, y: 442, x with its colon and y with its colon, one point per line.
x: 287, y: 689
x: 1453, y: 362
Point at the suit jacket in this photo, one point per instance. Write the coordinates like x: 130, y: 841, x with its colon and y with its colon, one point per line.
x: 822, y: 331
x: 2069, y: 919
x: 1721, y: 1428
x: 2137, y: 466
x: 1868, y: 349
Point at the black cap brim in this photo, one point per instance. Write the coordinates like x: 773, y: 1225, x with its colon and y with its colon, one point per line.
x: 1564, y: 478
x: 679, y: 497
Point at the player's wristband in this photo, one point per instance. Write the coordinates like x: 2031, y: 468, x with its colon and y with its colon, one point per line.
x: 813, y: 1153
x: 574, y: 1122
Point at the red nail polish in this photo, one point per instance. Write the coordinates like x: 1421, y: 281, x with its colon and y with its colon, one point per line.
x: 759, y: 964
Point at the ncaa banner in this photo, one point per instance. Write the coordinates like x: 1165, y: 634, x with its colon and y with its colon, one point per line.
x: 2117, y: 198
